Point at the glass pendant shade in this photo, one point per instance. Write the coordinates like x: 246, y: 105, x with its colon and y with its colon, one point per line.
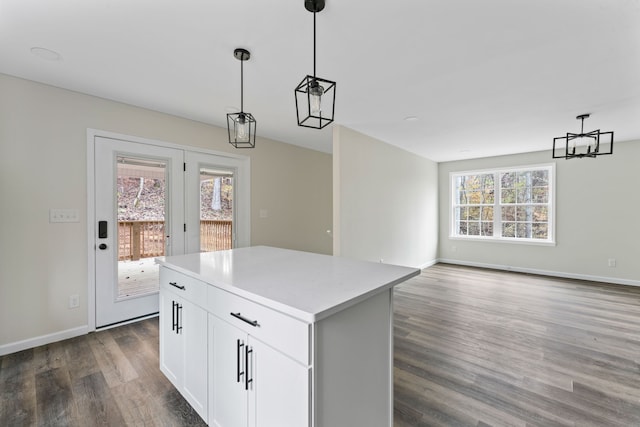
x: 315, y: 99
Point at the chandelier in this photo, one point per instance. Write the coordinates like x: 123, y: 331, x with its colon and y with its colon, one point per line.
x: 583, y: 144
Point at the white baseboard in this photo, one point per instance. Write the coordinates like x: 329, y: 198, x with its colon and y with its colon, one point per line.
x: 614, y: 280
x: 43, y: 340
x: 428, y: 264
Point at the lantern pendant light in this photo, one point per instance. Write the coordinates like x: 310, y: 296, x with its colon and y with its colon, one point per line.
x: 583, y: 144
x: 241, y: 126
x: 315, y: 97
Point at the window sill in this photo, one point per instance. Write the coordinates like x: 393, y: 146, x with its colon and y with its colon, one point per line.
x: 531, y: 242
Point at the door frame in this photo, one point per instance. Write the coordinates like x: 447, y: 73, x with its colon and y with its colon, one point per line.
x: 242, y: 186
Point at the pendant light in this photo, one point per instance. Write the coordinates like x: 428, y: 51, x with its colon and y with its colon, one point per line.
x: 583, y: 144
x: 315, y: 97
x: 241, y: 126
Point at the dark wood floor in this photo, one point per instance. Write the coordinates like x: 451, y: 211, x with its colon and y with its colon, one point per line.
x: 473, y: 348
x: 108, y: 378
x: 487, y: 348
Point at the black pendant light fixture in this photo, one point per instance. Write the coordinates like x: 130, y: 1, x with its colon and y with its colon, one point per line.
x: 583, y: 144
x: 241, y: 126
x: 315, y: 97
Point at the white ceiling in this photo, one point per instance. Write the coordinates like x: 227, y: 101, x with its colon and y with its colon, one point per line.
x: 483, y: 77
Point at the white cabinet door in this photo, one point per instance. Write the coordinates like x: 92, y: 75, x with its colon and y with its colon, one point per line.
x: 194, y: 330
x: 227, y: 374
x: 171, y: 345
x: 280, y: 391
x: 183, y: 348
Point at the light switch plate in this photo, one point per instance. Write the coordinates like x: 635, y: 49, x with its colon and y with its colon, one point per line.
x: 64, y: 215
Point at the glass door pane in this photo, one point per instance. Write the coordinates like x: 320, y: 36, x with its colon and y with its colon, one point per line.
x: 216, y: 209
x: 141, y: 195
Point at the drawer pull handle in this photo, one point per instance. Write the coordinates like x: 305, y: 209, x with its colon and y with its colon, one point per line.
x: 244, y: 319
x: 175, y: 285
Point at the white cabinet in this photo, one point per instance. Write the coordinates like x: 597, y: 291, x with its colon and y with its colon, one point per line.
x: 227, y: 395
x: 183, y: 338
x: 269, y: 337
x: 252, y: 384
x: 171, y: 343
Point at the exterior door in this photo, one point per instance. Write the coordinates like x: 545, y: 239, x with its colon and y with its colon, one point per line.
x: 139, y: 210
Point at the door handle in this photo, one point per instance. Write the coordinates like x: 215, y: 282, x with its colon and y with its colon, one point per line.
x: 102, y: 246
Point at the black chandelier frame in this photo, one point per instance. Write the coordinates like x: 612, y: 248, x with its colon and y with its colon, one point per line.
x: 562, y: 144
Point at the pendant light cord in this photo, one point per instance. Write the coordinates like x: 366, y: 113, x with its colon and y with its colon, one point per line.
x: 242, y: 85
x: 314, y: 45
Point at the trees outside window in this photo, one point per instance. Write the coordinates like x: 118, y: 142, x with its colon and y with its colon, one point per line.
x: 513, y: 204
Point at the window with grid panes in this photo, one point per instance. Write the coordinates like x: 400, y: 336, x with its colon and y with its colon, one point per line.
x: 510, y: 204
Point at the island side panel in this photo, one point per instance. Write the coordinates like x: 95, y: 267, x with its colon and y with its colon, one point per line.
x: 353, y: 365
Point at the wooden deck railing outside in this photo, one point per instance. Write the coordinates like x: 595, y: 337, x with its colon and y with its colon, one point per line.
x: 144, y: 239
x: 215, y: 235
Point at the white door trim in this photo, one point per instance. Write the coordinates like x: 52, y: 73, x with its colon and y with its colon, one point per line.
x: 243, y: 191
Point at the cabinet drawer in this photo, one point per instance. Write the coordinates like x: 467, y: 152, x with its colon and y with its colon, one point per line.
x: 289, y: 335
x: 187, y: 287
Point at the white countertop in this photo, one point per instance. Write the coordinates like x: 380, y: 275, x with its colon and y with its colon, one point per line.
x: 303, y: 285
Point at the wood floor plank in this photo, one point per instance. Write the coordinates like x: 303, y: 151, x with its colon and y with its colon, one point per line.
x: 17, y: 389
x: 114, y: 365
x: 95, y: 402
x: 50, y: 356
x: 137, y: 403
x: 55, y: 403
x: 80, y: 357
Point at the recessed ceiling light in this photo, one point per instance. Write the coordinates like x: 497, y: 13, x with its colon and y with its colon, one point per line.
x: 47, y: 54
x: 410, y: 119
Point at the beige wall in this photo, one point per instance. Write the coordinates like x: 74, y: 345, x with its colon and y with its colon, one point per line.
x: 597, y: 202
x: 43, y: 140
x: 385, y: 201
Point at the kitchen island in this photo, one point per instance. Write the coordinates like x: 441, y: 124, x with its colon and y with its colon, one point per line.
x: 267, y: 337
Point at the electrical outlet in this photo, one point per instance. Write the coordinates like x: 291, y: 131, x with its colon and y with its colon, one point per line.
x: 612, y: 262
x: 74, y: 301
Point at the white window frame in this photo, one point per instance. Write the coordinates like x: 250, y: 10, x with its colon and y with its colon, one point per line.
x: 497, y: 212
